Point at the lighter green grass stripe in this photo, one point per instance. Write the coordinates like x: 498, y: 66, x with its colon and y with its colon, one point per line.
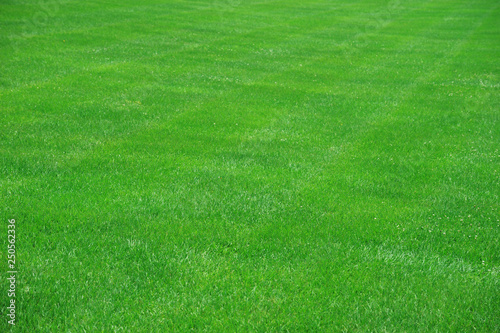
x: 78, y: 155
x: 180, y: 50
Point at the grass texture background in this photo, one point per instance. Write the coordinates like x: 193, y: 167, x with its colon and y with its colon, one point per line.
x: 251, y: 166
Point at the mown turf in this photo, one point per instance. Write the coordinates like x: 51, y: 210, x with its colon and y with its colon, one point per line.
x: 255, y: 165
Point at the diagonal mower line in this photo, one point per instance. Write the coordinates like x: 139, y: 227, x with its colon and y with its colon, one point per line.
x: 321, y: 178
x: 363, y: 129
x: 422, y: 79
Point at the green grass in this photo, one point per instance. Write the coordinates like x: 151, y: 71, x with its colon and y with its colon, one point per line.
x: 251, y: 166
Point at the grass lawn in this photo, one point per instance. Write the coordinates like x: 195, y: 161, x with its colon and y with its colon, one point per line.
x: 251, y: 166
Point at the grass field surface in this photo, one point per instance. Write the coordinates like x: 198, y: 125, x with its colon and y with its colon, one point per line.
x: 251, y: 166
